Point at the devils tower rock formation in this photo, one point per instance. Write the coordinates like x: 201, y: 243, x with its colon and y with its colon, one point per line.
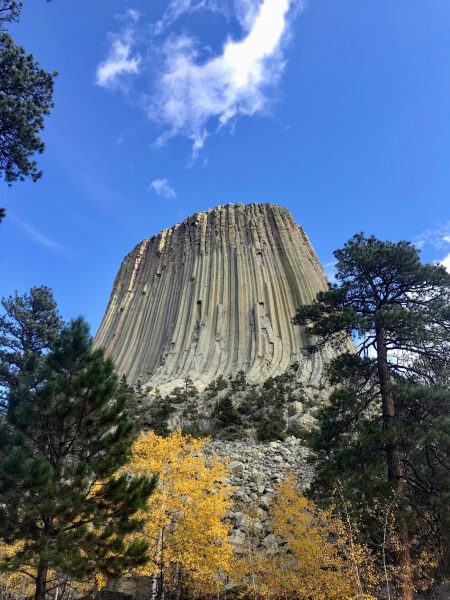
x: 212, y: 296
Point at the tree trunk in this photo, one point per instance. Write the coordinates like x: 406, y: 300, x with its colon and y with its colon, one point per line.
x: 161, y: 569
x: 157, y: 592
x: 41, y: 583
x: 394, y: 464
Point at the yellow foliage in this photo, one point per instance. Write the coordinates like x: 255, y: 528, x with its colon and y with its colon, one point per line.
x: 188, y: 537
x: 184, y: 524
x: 321, y: 560
x: 13, y: 581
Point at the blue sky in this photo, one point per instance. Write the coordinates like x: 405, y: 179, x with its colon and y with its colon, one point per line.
x: 337, y: 109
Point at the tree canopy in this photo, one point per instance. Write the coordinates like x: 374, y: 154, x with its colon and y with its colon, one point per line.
x: 26, y: 92
x: 29, y: 325
x: 65, y: 510
x: 385, y: 432
x: 185, y: 526
x: 324, y: 559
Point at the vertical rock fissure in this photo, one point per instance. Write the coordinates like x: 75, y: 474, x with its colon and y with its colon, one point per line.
x: 214, y: 295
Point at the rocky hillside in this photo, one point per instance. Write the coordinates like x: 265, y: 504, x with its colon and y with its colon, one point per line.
x: 255, y: 469
x: 232, y: 409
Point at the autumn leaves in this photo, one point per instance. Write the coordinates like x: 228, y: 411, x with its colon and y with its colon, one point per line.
x: 184, y: 524
x: 187, y: 533
x: 190, y: 553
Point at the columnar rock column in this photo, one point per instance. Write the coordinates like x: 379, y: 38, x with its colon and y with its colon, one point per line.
x: 214, y: 295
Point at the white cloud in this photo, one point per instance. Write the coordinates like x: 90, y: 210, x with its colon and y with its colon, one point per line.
x: 246, y: 12
x: 176, y: 8
x: 436, y: 237
x: 446, y: 262
x: 133, y: 14
x: 190, y: 93
x: 163, y: 188
x: 120, y: 61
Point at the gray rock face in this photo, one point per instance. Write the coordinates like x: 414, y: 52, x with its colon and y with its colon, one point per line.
x: 212, y: 296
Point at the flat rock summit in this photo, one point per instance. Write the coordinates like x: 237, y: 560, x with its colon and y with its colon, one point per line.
x: 212, y: 296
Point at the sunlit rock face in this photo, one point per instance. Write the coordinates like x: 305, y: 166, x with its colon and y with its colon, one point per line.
x: 212, y: 296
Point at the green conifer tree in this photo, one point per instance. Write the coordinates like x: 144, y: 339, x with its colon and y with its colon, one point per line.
x: 226, y: 414
x: 64, y: 438
x: 385, y: 433
x: 29, y: 325
x: 26, y: 93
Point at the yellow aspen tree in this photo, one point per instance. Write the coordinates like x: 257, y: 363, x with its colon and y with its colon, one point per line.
x: 185, y: 522
x: 328, y: 561
x: 318, y: 559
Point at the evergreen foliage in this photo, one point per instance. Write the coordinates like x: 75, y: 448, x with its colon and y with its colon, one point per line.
x: 217, y: 385
x: 226, y: 414
x: 26, y: 93
x: 385, y: 433
x: 65, y: 435
x: 271, y: 428
x: 239, y: 382
x: 182, y: 394
x: 230, y: 409
x: 137, y: 405
x: 29, y: 326
x: 9, y: 11
x: 158, y: 416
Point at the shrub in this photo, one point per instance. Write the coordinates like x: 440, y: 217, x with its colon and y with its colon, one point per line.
x: 271, y: 428
x: 239, y: 382
x: 226, y: 414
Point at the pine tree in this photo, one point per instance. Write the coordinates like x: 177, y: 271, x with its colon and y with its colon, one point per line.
x: 26, y: 93
x: 9, y: 11
x: 65, y: 436
x: 385, y: 431
x: 226, y: 414
x: 29, y: 325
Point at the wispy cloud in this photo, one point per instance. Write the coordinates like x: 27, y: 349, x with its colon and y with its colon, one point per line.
x: 190, y: 94
x: 176, y: 8
x: 88, y: 179
x: 193, y: 95
x: 122, y: 61
x: 163, y: 188
x: 436, y: 237
x: 132, y: 14
x: 39, y: 237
